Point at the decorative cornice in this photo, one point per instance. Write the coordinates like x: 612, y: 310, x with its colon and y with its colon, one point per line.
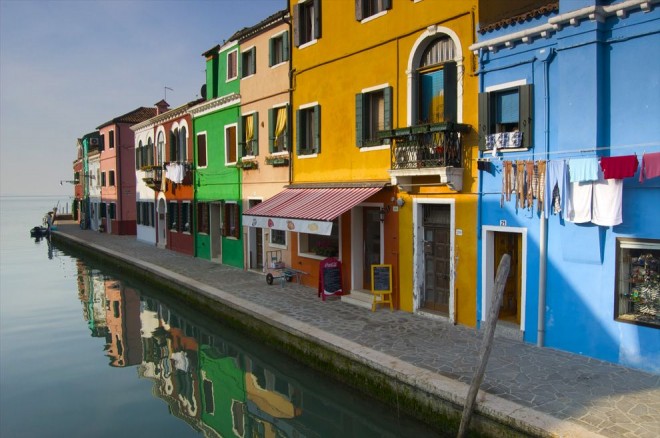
x: 556, y: 23
x: 165, y: 117
x: 214, y: 105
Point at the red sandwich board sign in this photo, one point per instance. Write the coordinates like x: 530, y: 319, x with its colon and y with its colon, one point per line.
x: 330, y: 281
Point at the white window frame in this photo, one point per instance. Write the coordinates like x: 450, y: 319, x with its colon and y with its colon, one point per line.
x: 304, y: 107
x: 190, y: 217
x: 279, y: 35
x: 243, y: 52
x: 278, y: 245
x: 313, y: 40
x: 206, y: 148
x: 249, y: 113
x: 371, y: 90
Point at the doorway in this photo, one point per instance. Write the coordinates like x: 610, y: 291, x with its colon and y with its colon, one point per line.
x: 255, y: 243
x: 215, y: 228
x: 436, y: 292
x: 496, y: 242
x: 371, y: 242
x: 162, y: 223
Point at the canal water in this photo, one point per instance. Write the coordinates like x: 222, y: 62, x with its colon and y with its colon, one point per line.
x: 87, y: 352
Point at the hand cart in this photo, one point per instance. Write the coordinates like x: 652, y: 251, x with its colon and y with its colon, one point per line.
x: 277, y: 269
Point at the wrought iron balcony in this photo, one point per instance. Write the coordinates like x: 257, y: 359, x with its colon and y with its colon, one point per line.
x: 427, y: 149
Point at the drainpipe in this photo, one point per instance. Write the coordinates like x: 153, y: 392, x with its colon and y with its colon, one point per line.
x: 545, y: 57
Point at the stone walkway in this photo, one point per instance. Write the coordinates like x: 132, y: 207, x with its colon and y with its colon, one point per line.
x: 554, y: 392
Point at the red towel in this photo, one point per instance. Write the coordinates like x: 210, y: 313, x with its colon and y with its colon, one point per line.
x: 619, y: 167
x: 650, y: 166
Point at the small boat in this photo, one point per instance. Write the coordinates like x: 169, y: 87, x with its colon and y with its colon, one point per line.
x: 38, y: 232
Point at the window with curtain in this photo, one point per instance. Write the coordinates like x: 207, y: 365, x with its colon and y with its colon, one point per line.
x: 505, y: 118
x: 250, y: 140
x: 306, y: 22
x: 367, y: 8
x: 182, y: 145
x: 278, y: 129
x: 278, y: 49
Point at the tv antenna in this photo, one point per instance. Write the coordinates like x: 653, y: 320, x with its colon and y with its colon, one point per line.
x: 167, y: 88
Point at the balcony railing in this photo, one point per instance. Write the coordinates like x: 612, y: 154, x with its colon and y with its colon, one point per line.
x: 426, y: 146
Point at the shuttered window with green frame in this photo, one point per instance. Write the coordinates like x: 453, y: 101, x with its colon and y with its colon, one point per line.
x: 373, y: 113
x: 308, y: 130
x: 496, y: 109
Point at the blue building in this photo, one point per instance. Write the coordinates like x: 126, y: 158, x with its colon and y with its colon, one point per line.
x: 569, y: 114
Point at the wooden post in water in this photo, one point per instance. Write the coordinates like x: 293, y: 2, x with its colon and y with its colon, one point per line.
x: 487, y: 342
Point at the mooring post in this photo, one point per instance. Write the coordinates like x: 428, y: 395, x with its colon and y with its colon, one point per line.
x: 487, y: 341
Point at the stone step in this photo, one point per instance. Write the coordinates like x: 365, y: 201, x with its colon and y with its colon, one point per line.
x: 360, y: 298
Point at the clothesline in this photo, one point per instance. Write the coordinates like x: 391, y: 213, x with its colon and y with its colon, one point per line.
x: 520, y: 155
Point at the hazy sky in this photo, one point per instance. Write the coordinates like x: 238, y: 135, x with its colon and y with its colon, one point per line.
x: 67, y: 67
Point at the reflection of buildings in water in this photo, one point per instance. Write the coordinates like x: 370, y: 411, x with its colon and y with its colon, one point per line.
x: 91, y: 292
x: 124, y: 347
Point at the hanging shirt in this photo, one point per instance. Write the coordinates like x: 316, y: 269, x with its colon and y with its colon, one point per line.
x: 607, y: 201
x: 556, y: 175
x: 583, y: 169
x: 579, y: 202
x: 650, y: 166
x: 619, y: 167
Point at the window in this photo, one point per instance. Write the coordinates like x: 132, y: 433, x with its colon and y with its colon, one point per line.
x: 138, y: 156
x: 145, y: 213
x: 103, y: 179
x: 203, y: 217
x: 201, y: 150
x: 278, y: 49
x: 306, y: 22
x: 230, y: 144
x: 173, y: 216
x: 437, y: 83
x: 277, y: 128
x: 102, y: 141
x: 373, y: 113
x: 112, y: 208
x: 149, y: 153
x: 249, y: 62
x: 111, y: 139
x: 160, y: 148
x: 250, y: 136
x: 103, y: 208
x: 505, y: 118
x: 182, y: 145
x: 232, y: 66
x: 637, y: 291
x: 308, y: 130
x: 319, y: 246
x: 231, y: 225
x: 111, y: 178
x: 278, y: 237
x: 367, y: 8
x: 186, y: 216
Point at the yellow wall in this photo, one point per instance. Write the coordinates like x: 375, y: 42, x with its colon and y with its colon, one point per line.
x: 351, y: 56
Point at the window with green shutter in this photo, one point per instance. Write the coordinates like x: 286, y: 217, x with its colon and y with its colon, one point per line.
x: 250, y: 135
x: 306, y: 22
x: 373, y: 113
x: 367, y: 8
x: 308, y: 130
x: 278, y: 49
x: 249, y: 62
x: 505, y: 118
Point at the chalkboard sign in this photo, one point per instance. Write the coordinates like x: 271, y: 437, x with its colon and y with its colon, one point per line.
x: 330, y: 281
x: 381, y: 278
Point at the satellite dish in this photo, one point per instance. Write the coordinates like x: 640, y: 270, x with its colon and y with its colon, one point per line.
x: 203, y: 91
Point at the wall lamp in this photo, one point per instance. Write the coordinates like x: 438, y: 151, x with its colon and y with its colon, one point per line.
x: 382, y: 212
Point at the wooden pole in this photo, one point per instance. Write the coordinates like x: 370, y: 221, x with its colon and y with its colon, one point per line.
x: 487, y: 341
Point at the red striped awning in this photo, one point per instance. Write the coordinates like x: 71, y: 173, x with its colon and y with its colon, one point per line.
x: 320, y: 204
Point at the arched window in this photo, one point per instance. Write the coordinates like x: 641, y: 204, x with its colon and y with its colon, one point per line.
x: 436, y: 82
x: 174, y: 136
x: 182, y: 145
x: 150, y: 152
x: 138, y: 156
x: 160, y: 146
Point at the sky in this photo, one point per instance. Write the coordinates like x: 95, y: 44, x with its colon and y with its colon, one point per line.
x: 67, y: 67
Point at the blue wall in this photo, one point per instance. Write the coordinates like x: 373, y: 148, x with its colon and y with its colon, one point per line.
x: 604, y: 93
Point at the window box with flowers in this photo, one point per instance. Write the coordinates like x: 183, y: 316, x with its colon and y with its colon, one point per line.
x: 277, y: 160
x: 247, y: 164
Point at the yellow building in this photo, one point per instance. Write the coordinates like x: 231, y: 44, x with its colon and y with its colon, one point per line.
x: 384, y: 111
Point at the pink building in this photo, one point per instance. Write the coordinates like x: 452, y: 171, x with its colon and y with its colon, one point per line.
x: 118, y: 171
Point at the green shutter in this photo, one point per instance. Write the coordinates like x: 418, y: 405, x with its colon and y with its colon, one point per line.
x: 172, y: 146
x: 271, y: 52
x: 239, y: 136
x: 387, y: 4
x: 358, y: 10
x: 299, y: 130
x: 484, y: 119
x: 387, y: 100
x: 451, y: 94
x: 256, y: 134
x: 317, y: 19
x: 253, y: 61
x: 359, y: 120
x: 285, y: 46
x: 271, y: 130
x: 296, y: 25
x: 317, y: 129
x: 526, y: 117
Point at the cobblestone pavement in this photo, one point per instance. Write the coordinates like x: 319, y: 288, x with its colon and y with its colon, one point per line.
x: 579, y: 396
